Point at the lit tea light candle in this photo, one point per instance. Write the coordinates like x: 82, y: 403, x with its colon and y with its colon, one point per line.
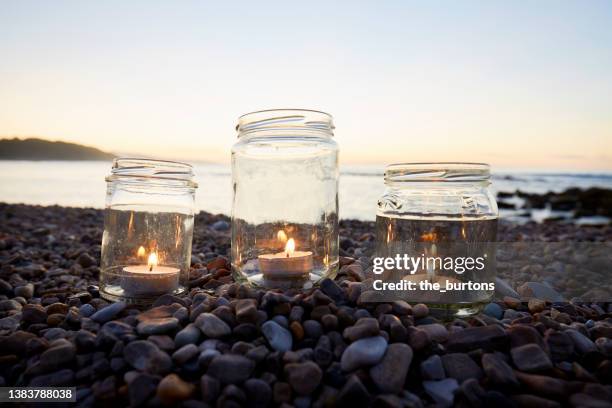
x: 150, y: 279
x: 287, y: 264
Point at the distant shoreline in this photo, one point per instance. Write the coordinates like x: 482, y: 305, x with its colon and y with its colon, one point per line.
x: 34, y: 149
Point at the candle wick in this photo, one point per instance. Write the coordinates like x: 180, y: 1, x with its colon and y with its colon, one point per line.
x: 151, y: 268
x: 287, y: 254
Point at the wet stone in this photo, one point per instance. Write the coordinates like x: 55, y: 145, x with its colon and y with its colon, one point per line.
x: 560, y: 345
x: 141, y: 388
x: 536, y: 305
x: 390, y: 374
x: 210, y: 388
x: 145, y: 356
x: 231, y: 369
x: 87, y: 310
x: 363, y: 352
x: 530, y: 358
x: 109, y: 312
x: 435, y: 331
x: 212, y: 326
x: 57, y: 356
x: 493, y: 310
x: 364, y: 327
x: 277, y: 336
x: 420, y: 310
x: 485, y: 337
x: 172, y: 389
x: 582, y: 344
x: 401, y: 308
x: 353, y: 394
x: 185, y: 353
x: 472, y: 391
x: 432, y: 368
x: 246, y: 311
x: 157, y: 326
x: 331, y: 289
x: 189, y: 335
x: 460, y: 367
x: 498, y: 371
x: 60, y: 378
x: 304, y: 378
x: 32, y: 314
x: 86, y: 260
x: 442, y: 392
x: 25, y: 291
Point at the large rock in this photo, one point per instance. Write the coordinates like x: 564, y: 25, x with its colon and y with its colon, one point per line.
x: 304, y: 378
x: 189, y: 335
x: 278, y: 337
x: 212, y: 326
x: 485, y: 337
x: 141, y: 388
x: 145, y: 356
x: 498, y: 371
x: 442, y: 392
x: 109, y: 312
x: 364, y: 327
x: 460, y: 367
x: 164, y: 325
x: 432, y: 368
x: 530, y: 358
x: 57, y: 356
x: 435, y: 331
x: 172, y: 389
x: 363, y: 352
x: 231, y: 368
x: 353, y: 394
x: 390, y: 374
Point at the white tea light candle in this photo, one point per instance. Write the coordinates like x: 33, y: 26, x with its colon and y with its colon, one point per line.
x: 287, y: 264
x: 150, y: 279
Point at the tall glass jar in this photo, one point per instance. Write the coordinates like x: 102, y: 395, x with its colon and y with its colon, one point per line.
x: 285, y: 205
x: 148, y: 229
x: 444, y: 214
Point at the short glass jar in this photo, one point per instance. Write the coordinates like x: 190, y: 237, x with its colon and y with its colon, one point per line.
x: 285, y: 204
x: 440, y: 212
x: 148, y: 229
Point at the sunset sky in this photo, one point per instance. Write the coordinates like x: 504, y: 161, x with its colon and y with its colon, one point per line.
x: 513, y: 83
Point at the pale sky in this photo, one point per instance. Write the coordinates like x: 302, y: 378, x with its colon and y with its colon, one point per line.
x: 512, y: 83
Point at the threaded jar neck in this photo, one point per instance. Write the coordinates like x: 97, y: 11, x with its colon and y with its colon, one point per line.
x: 437, y: 172
x: 286, y: 123
x: 162, y: 172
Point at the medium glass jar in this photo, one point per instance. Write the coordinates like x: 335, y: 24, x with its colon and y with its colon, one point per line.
x: 285, y: 205
x: 444, y: 214
x: 148, y: 229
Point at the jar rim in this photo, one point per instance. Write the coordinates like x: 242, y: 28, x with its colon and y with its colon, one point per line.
x: 281, y: 121
x: 437, y: 172
x: 152, y: 169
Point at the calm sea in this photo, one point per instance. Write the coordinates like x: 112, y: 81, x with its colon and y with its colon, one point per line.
x: 81, y: 184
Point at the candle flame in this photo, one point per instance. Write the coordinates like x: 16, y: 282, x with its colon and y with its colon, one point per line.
x: 429, y: 236
x: 152, y: 261
x: 290, y: 247
x: 281, y: 236
x: 141, y: 252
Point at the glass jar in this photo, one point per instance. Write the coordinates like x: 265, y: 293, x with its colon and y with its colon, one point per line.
x: 148, y: 229
x: 444, y: 214
x: 285, y: 205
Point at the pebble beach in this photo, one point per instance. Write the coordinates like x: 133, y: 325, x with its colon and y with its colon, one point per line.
x: 227, y: 345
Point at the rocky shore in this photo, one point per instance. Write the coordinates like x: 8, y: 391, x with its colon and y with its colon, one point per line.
x: 570, y: 205
x: 228, y: 345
